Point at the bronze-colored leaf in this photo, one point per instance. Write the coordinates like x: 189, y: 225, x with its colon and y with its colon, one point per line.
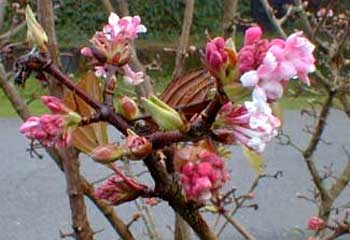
x: 189, y: 90
x: 88, y: 137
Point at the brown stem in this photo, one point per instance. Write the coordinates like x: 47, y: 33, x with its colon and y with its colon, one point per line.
x: 239, y: 227
x: 47, y: 20
x: 181, y: 51
x: 314, y: 141
x: 80, y: 222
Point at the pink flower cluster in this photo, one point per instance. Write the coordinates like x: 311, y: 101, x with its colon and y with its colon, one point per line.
x: 52, y: 129
x: 254, y: 50
x: 252, y: 124
x: 126, y: 28
x: 270, y: 65
x: 112, y: 46
x: 116, y: 190
x: 203, y: 178
x: 48, y: 129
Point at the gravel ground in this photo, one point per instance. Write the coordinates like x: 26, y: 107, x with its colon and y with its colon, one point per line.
x: 34, y: 206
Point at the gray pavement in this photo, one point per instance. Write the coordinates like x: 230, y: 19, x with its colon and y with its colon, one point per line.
x: 34, y: 206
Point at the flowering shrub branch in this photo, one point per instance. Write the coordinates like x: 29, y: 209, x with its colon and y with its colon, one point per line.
x: 192, y: 173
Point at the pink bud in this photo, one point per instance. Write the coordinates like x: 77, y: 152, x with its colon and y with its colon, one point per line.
x: 316, y: 223
x: 55, y: 105
x: 138, y: 147
x: 252, y: 35
x: 87, y: 52
x: 215, y: 55
x: 128, y: 108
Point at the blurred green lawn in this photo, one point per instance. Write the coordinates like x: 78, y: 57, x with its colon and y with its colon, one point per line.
x: 33, y: 90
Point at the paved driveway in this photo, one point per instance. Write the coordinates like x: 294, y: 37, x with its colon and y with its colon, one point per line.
x: 33, y: 204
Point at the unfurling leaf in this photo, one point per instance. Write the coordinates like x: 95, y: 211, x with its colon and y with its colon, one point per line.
x: 255, y: 160
x: 88, y: 137
x: 35, y: 33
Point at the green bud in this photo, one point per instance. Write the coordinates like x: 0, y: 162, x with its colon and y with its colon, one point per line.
x: 165, y: 116
x: 72, y: 119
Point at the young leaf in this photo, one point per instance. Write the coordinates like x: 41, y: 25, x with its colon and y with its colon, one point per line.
x: 88, y: 137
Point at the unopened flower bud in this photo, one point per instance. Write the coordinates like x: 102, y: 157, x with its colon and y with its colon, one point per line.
x: 128, y: 108
x: 316, y: 224
x: 165, y: 116
x: 35, y: 34
x: 86, y: 51
x: 107, y: 153
x: 137, y: 147
x: 55, y: 105
x: 116, y: 190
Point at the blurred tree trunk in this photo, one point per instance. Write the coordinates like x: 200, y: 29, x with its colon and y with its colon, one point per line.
x: 230, y: 10
x: 47, y: 20
x: 3, y: 4
x: 70, y: 161
x: 181, y: 52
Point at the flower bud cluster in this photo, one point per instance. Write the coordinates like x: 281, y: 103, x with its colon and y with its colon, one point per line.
x: 111, y: 46
x: 202, y: 178
x: 52, y: 130
x: 270, y: 65
x: 117, y: 190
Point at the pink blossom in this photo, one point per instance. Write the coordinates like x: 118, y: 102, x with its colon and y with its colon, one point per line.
x: 299, y: 52
x: 252, y: 124
x: 270, y: 65
x: 131, y: 77
x: 126, y: 28
x: 116, y: 190
x: 215, y: 55
x: 111, y: 45
x: 316, y: 223
x: 204, y: 176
